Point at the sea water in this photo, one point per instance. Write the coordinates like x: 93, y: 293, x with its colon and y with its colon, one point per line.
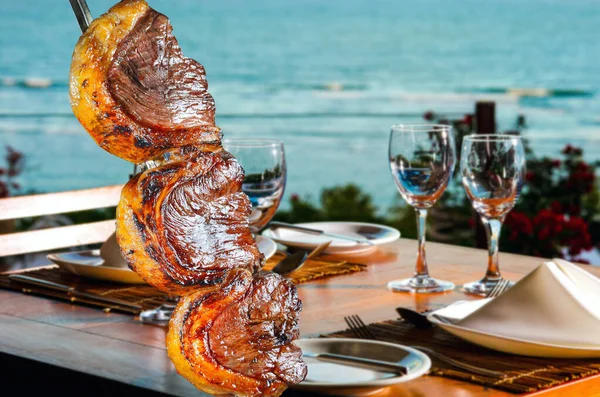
x: 326, y: 77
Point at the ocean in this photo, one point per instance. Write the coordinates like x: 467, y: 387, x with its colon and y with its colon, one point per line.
x: 326, y: 77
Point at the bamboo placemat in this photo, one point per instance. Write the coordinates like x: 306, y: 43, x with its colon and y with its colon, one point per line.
x: 145, y: 296
x: 522, y: 374
x: 315, y: 268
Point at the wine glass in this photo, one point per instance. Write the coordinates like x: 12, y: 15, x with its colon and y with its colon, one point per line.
x: 422, y: 159
x: 492, y: 168
x: 263, y: 161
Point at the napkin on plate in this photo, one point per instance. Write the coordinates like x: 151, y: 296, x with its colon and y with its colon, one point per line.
x: 111, y: 253
x: 558, y: 303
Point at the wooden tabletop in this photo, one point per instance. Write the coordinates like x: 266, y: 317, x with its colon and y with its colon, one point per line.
x: 119, y: 348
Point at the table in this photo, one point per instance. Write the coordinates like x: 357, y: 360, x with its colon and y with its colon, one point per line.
x: 84, y: 346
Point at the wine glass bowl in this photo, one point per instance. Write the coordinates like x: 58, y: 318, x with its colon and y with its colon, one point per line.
x: 264, y: 164
x: 422, y: 159
x: 492, y: 173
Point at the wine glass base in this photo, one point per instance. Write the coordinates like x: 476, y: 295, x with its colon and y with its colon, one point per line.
x: 483, y: 286
x: 420, y: 285
x: 159, y: 316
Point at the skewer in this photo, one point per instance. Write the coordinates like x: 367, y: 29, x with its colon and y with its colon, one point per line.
x: 82, y: 13
x: 84, y: 17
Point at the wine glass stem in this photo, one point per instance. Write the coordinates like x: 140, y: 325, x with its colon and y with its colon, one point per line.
x: 421, y: 266
x: 492, y: 230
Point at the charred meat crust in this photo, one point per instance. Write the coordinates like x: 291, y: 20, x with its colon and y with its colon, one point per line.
x: 184, y: 224
x: 112, y: 101
x: 236, y: 332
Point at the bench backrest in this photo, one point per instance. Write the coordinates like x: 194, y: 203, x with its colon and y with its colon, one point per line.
x: 57, y: 203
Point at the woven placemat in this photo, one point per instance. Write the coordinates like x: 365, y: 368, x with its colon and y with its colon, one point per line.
x: 315, y: 268
x: 522, y: 374
x: 145, y: 296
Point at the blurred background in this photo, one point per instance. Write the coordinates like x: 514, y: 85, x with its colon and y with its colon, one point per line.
x: 329, y: 78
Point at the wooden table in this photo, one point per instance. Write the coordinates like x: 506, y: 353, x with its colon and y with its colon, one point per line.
x: 116, y: 351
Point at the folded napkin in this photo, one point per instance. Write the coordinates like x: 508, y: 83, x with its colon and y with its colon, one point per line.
x: 558, y: 304
x: 111, y: 253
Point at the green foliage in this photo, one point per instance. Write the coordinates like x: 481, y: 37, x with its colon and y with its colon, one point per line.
x: 559, y: 207
x: 348, y: 202
x: 340, y: 203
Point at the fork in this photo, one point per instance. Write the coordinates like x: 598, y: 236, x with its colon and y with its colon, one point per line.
x: 361, y: 331
x: 499, y: 288
x: 419, y: 319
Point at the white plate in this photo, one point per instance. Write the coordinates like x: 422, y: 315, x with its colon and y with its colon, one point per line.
x: 506, y: 344
x: 90, y: 264
x: 377, y: 234
x: 266, y: 246
x: 342, y: 380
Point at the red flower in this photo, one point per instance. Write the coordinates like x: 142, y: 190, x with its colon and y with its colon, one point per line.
x: 574, y: 210
x: 543, y: 234
x: 555, y: 163
x: 582, y: 167
x: 3, y: 190
x: 572, y: 150
x: 556, y: 207
x: 581, y: 181
x: 548, y: 225
x: 530, y: 176
x: 577, y: 236
x: 472, y: 223
x: 468, y: 120
x: 295, y: 197
x: 12, y: 156
x: 2, y: 171
x: 429, y: 115
x: 518, y: 224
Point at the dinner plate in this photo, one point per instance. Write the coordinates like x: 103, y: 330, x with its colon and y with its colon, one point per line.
x: 343, y: 380
x: 376, y: 234
x: 90, y: 264
x: 503, y: 343
x: 266, y: 246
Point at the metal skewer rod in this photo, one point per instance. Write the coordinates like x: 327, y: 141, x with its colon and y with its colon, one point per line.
x: 84, y: 17
x: 82, y: 12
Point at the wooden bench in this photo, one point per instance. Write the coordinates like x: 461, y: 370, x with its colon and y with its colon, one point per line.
x: 57, y: 203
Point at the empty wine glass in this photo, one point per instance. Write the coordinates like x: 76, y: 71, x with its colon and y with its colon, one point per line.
x: 422, y: 159
x: 492, y: 168
x: 263, y: 161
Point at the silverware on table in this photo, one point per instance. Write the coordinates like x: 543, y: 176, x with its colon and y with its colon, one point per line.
x: 419, y: 319
x: 361, y: 362
x: 319, y: 249
x: 500, y: 287
x: 276, y: 225
x: 290, y: 263
x: 72, y: 292
x: 362, y: 331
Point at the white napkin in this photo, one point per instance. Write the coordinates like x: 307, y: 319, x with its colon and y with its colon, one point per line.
x: 111, y: 253
x: 557, y: 303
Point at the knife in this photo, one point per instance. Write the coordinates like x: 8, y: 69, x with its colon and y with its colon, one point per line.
x: 318, y: 232
x: 361, y: 362
x: 71, y: 291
